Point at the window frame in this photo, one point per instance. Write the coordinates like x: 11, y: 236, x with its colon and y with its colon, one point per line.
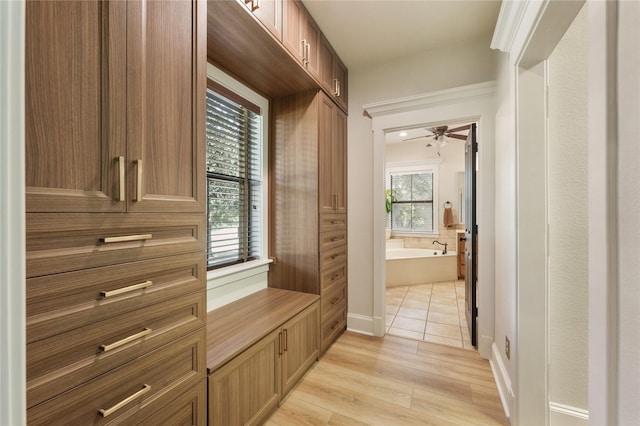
x: 232, y: 89
x: 415, y: 167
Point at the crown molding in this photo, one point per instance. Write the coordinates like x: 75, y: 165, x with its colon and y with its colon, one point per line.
x: 429, y: 100
x: 509, y: 20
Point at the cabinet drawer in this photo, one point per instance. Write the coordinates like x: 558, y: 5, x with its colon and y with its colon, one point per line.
x: 189, y: 408
x: 69, y: 359
x: 333, y: 222
x: 62, y: 302
x: 333, y: 239
x: 333, y: 325
x: 335, y: 275
x: 332, y: 258
x: 132, y: 392
x: 332, y: 298
x: 70, y: 242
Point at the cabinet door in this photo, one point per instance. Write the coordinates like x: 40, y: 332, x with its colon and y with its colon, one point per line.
x: 292, y: 15
x: 340, y: 82
x: 326, y: 114
x: 166, y: 86
x: 269, y: 12
x: 311, y: 35
x: 339, y: 160
x: 300, y: 345
x: 75, y: 74
x: 245, y: 390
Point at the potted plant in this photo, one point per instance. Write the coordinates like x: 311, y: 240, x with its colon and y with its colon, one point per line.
x: 389, y: 198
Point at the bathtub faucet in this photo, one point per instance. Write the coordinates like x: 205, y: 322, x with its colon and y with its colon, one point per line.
x: 442, y: 244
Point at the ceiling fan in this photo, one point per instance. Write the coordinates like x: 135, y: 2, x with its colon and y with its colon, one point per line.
x: 441, y: 133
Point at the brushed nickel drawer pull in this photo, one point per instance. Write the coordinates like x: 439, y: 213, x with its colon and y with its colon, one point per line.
x: 124, y: 238
x: 334, y: 277
x: 335, y: 201
x: 334, y: 325
x: 145, y: 388
x: 285, y: 339
x: 255, y: 5
x: 335, y: 300
x: 280, y: 343
x: 121, y: 174
x: 106, y: 348
x: 139, y: 181
x: 335, y: 222
x: 112, y: 293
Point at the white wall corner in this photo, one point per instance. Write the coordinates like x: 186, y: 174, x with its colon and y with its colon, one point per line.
x: 565, y: 415
x: 503, y: 381
x: 364, y: 324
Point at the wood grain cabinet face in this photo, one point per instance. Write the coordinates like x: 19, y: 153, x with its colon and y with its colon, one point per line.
x: 301, y: 345
x: 301, y: 36
x: 114, y: 115
x: 332, y: 130
x: 268, y: 12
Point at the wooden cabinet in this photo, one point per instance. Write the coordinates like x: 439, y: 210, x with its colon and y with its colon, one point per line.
x: 259, y: 347
x: 333, y: 74
x: 115, y: 225
x: 111, y: 101
x: 301, y: 36
x: 308, y: 195
x: 269, y: 13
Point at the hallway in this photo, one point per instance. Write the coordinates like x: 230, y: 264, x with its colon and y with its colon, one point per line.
x: 431, y: 312
x: 363, y: 380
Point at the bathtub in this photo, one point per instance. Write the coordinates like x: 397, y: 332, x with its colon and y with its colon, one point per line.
x: 416, y: 266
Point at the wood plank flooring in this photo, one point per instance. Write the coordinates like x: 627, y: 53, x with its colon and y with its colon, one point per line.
x: 363, y: 380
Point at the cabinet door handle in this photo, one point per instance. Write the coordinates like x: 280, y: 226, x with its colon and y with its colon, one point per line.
x: 105, y: 412
x: 112, y: 293
x: 285, y: 339
x: 107, y: 348
x: 308, y: 49
x: 123, y: 238
x: 304, y: 52
x: 255, y: 5
x: 336, y: 87
x: 335, y: 201
x: 139, y: 181
x: 122, y: 178
x: 280, y: 343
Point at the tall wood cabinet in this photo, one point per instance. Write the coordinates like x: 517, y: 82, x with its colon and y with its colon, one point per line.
x: 309, y: 209
x: 115, y: 225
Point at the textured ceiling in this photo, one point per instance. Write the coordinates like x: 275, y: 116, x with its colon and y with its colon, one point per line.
x: 369, y: 32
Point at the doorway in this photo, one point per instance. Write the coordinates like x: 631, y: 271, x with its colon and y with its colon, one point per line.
x: 473, y: 103
x: 426, y: 297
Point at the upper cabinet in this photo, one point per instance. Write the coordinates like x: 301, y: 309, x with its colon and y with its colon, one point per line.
x: 301, y: 36
x: 101, y: 135
x: 269, y: 12
x: 332, y: 152
x: 333, y: 74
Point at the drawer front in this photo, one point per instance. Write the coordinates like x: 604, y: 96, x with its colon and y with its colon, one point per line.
x: 335, y: 275
x: 62, y: 302
x: 333, y: 239
x: 333, y: 258
x: 333, y: 222
x: 331, y: 299
x: 333, y: 326
x: 69, y: 242
x: 69, y: 359
x: 132, y: 392
x: 189, y: 408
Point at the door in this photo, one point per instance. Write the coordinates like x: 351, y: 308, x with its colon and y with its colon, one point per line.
x: 166, y: 92
x: 471, y: 236
x: 75, y: 87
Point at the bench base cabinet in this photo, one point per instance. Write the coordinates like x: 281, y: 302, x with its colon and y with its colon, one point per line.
x: 247, y: 389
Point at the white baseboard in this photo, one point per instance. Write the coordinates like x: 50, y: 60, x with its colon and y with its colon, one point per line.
x: 503, y: 381
x: 565, y: 415
x: 361, y: 324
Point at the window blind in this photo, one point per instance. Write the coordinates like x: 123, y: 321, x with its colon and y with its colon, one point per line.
x: 412, y: 209
x: 234, y: 187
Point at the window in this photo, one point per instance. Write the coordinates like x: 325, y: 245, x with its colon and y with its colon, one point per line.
x: 234, y: 178
x: 414, y: 188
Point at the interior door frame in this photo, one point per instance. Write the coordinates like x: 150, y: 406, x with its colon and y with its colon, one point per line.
x: 471, y: 234
x: 472, y: 103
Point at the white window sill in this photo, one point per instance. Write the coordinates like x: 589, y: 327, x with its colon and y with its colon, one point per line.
x: 223, y: 276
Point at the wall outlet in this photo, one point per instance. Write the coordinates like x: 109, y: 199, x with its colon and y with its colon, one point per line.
x: 507, y: 347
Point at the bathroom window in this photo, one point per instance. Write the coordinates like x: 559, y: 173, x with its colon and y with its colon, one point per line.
x: 234, y: 178
x: 415, y: 193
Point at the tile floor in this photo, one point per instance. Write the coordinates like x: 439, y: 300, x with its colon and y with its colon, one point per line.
x: 432, y: 312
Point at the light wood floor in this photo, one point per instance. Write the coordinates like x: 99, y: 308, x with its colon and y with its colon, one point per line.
x: 364, y: 380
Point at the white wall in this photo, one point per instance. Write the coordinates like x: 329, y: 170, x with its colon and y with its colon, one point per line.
x: 12, y: 219
x: 505, y: 229
x: 628, y: 410
x: 568, y: 220
x: 418, y: 74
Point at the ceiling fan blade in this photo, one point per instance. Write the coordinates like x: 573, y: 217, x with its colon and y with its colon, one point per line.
x: 463, y: 137
x: 457, y: 129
